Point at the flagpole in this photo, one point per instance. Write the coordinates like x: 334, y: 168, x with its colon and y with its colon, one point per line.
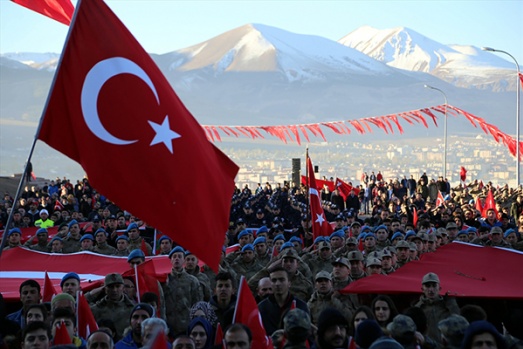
x: 20, y: 185
x: 137, y: 283
x: 308, y: 213
x: 238, y: 298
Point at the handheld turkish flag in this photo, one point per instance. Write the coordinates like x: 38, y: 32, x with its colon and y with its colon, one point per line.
x: 463, y: 174
x: 111, y: 109
x: 247, y: 313
x: 439, y: 200
x: 320, y: 225
x: 84, y: 316
x: 344, y: 188
x: 490, y: 203
x: 59, y: 10
x: 160, y: 341
x: 218, y: 337
x: 61, y: 335
x: 49, y: 290
x: 415, y: 217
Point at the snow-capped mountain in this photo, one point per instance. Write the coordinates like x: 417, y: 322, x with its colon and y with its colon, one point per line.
x: 47, y: 61
x: 461, y: 65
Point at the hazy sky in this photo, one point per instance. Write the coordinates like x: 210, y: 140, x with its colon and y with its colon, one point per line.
x: 167, y: 25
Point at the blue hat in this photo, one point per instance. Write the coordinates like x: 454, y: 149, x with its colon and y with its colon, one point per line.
x: 122, y: 237
x: 338, y: 233
x: 295, y: 239
x: 86, y: 237
x: 42, y: 231
x: 71, y: 223
x: 362, y: 236
x: 259, y: 240
x: 370, y: 235
x: 135, y: 254
x: 462, y: 232
x: 396, y: 235
x: 176, y: 249
x: 164, y: 237
x: 508, y: 232
x: 262, y: 229
x: 472, y: 230
x: 248, y: 247
x: 132, y: 226
x: 101, y: 230
x: 409, y: 234
x: 288, y: 244
x: 384, y: 227
x: 365, y: 228
x: 56, y: 238
x: 68, y: 276
x: 278, y: 237
x: 319, y: 239
x: 14, y: 230
x: 243, y: 233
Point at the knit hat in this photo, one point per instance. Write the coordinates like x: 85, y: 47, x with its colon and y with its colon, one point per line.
x: 385, y: 343
x: 143, y: 306
x: 479, y: 327
x: 62, y: 297
x: 330, y: 317
x: 367, y: 332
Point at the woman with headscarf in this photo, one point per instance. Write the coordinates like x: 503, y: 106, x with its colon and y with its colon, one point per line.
x: 201, y: 331
x: 203, y: 309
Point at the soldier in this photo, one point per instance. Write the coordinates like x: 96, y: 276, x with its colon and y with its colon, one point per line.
x: 122, y: 246
x: 133, y: 338
x: 452, y: 331
x: 323, y: 297
x: 246, y: 265
x: 181, y: 291
x: 403, y: 329
x: 435, y: 307
x: 373, y: 266
x: 135, y: 240
x: 86, y: 242
x: 402, y: 248
x: 57, y: 245
x: 296, y: 327
x: 192, y: 268
x: 115, y: 305
x: 382, y: 237
x: 369, y: 243
x: 261, y: 250
x: 42, y: 245
x: 72, y: 240
x: 337, y: 240
x: 166, y: 245
x: 101, y: 243
x: 13, y: 236
x: 386, y: 261
x: 70, y: 284
x: 357, y: 271
x: 324, y: 259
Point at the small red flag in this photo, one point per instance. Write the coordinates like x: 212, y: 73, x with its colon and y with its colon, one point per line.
x: 49, y: 290
x: 344, y: 188
x: 320, y: 225
x: 490, y: 203
x: 360, y: 244
x: 479, y: 207
x: 59, y: 10
x: 440, y: 200
x: 218, y: 338
x: 61, y: 335
x: 247, y: 313
x: 160, y: 341
x: 85, y: 318
x: 109, y: 100
x: 463, y: 174
x: 143, y: 247
x: 414, y: 217
x: 293, y: 304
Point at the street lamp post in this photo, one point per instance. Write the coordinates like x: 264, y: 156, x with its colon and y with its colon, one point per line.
x: 490, y: 49
x: 444, y: 131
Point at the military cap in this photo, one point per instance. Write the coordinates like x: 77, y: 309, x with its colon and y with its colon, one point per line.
x: 248, y: 247
x: 370, y: 235
x: 62, y: 297
x: 324, y: 244
x: 365, y: 228
x: 290, y: 253
x: 243, y: 233
x: 396, y: 235
x: 391, y: 249
x: 432, y: 238
x: 380, y: 227
x: 259, y: 240
x: 175, y: 250
x: 372, y: 261
x: 87, y: 237
x: 351, y: 241
x: 410, y: 233
x: 373, y: 254
x: 507, y: 233
x: 44, y: 231
x: 287, y: 244
x: 412, y: 246
x: 338, y: 233
x: 342, y: 261
x: 323, y: 274
x: 278, y: 237
x: 56, y: 238
x: 135, y: 254
x: 356, y: 223
x: 100, y: 230
x: 295, y: 239
x: 496, y: 230
x: 121, y: 237
x: 164, y: 237
x: 114, y: 278
x: 401, y: 325
x: 132, y: 226
x: 402, y: 244
x: 385, y: 253
x: 71, y: 275
x: 462, y: 232
x: 430, y: 277
x: 319, y: 239
x: 262, y: 229
x: 423, y: 236
x: 453, y: 328
x: 355, y: 256
x: 296, y: 318
x: 14, y: 231
x: 451, y: 225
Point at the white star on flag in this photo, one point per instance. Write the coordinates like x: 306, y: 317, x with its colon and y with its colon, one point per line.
x: 320, y: 219
x: 164, y: 134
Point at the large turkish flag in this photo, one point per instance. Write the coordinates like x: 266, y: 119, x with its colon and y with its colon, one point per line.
x: 111, y: 109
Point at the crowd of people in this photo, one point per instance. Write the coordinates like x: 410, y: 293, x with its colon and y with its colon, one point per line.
x: 378, y: 227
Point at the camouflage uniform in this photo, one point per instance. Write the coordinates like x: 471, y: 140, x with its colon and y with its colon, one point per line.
x: 318, y: 302
x: 40, y: 248
x: 380, y: 245
x: 317, y: 264
x: 104, y: 249
x: 437, y: 310
x: 296, y: 319
x: 119, y: 312
x: 71, y: 244
x: 349, y: 301
x: 264, y: 260
x: 123, y: 253
x: 247, y: 270
x: 223, y: 267
x: 137, y: 245
x: 453, y: 329
x: 205, y: 283
x: 181, y: 291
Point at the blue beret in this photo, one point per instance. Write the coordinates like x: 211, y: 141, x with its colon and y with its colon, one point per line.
x: 370, y: 235
x: 365, y: 228
x: 188, y: 253
x: 262, y: 229
x: 243, y: 233
x: 122, y: 237
x: 288, y: 244
x: 278, y: 237
x: 508, y: 232
x: 362, y: 236
x: 164, y: 237
x: 42, y: 231
x: 462, y: 232
x: 176, y: 249
x: 248, y: 247
x: 68, y: 276
x: 409, y: 234
x: 132, y: 226
x: 319, y: 239
x: 71, y: 223
x: 339, y: 233
x: 259, y: 240
x: 295, y: 239
x: 14, y: 230
x: 85, y: 237
x: 135, y: 254
x: 100, y: 230
x: 57, y: 238
x: 396, y: 235
x: 384, y: 227
x: 472, y: 230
